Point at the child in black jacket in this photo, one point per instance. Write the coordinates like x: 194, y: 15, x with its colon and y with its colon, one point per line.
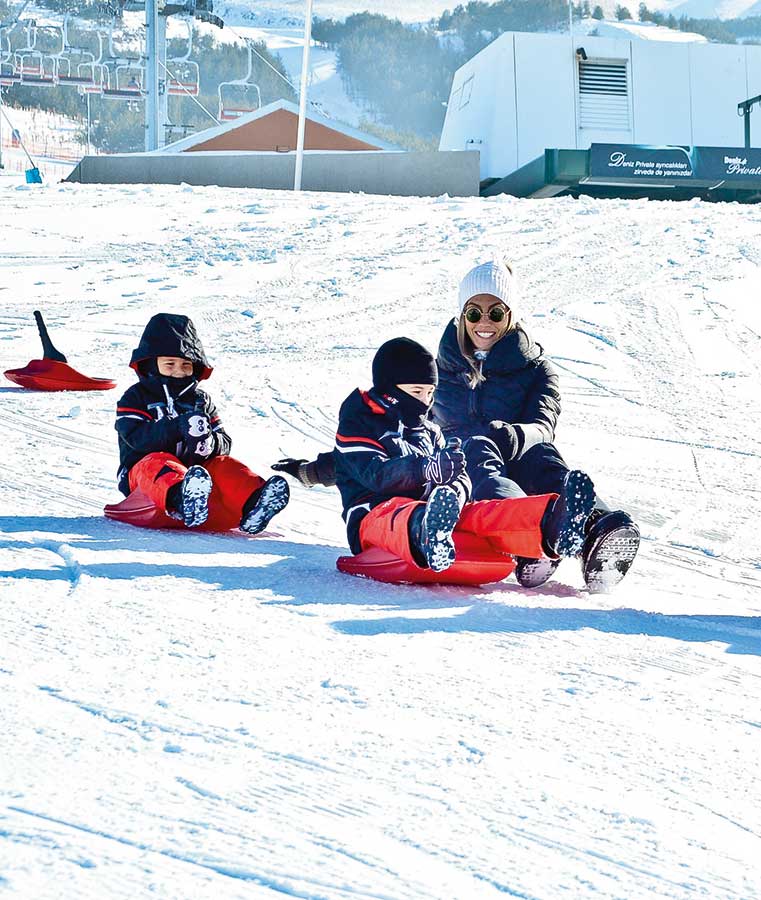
x: 172, y: 445
x: 405, y: 490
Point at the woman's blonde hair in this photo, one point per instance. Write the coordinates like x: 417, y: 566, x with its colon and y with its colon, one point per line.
x: 476, y: 376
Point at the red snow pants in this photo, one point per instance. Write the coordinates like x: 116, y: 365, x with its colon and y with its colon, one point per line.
x: 232, y: 485
x: 503, y: 526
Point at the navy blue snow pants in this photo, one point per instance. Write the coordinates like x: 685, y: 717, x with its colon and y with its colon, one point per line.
x: 541, y: 470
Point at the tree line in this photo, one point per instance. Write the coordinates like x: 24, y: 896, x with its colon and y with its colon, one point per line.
x: 402, y: 73
x: 399, y: 74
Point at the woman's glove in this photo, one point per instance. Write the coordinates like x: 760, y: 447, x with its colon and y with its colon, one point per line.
x: 197, y: 434
x: 507, y: 439
x: 445, y: 466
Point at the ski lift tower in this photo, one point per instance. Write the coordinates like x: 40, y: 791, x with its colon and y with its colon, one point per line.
x: 156, y: 75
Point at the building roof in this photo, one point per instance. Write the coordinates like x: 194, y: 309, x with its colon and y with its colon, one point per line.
x: 643, y: 31
x: 276, y: 109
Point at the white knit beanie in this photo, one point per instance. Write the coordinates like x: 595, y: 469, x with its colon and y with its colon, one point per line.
x: 489, y: 278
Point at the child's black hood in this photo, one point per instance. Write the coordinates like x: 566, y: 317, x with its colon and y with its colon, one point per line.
x: 167, y: 334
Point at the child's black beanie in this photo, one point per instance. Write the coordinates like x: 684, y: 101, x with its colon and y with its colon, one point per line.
x: 403, y: 361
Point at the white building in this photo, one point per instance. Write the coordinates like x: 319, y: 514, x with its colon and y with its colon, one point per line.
x: 528, y: 92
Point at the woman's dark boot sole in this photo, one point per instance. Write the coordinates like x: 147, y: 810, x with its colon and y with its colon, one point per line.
x: 533, y: 573
x: 609, y: 551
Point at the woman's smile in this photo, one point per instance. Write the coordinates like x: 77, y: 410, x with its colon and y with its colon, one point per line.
x: 484, y: 333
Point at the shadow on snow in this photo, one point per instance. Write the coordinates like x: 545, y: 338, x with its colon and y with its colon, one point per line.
x: 305, y: 575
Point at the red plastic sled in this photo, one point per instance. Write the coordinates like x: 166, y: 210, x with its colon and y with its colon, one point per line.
x: 51, y: 375
x: 53, y: 372
x: 472, y: 566
x: 138, y: 510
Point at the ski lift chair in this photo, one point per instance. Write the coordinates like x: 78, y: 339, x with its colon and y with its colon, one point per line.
x: 236, y: 98
x: 74, y: 65
x: 37, y: 69
x: 125, y: 81
x: 125, y: 76
x: 38, y: 66
x: 185, y: 77
x: 70, y: 71
x: 97, y: 69
x: 8, y: 73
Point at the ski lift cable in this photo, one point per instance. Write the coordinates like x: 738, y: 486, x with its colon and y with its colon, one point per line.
x: 194, y: 99
x: 250, y: 45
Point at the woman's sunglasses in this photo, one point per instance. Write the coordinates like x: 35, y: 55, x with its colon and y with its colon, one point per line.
x: 497, y: 313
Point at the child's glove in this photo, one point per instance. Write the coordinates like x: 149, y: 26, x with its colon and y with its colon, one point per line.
x: 445, y: 466
x: 290, y: 465
x: 197, y: 434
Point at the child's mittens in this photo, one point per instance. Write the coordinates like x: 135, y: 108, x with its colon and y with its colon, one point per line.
x: 197, y: 434
x: 444, y: 467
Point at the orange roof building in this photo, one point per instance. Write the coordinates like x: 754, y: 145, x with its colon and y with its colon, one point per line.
x: 274, y: 128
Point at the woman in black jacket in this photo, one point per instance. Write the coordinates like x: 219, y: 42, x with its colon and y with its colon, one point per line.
x: 500, y: 395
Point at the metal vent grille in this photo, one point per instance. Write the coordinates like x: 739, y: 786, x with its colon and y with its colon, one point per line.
x: 604, y: 96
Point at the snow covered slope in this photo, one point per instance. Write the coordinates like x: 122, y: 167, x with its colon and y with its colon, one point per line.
x: 51, y: 139
x: 327, y: 93
x: 194, y: 716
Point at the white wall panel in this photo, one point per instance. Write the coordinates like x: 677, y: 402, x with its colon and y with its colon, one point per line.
x: 481, y: 109
x: 545, y: 110
x: 660, y: 92
x: 718, y: 81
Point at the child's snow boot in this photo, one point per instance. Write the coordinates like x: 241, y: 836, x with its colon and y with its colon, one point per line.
x: 609, y: 549
x: 532, y: 573
x: 194, y: 496
x: 431, y: 528
x: 265, y: 503
x: 564, y: 520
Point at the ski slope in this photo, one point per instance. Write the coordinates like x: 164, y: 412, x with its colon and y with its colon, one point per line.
x: 327, y: 93
x: 194, y: 716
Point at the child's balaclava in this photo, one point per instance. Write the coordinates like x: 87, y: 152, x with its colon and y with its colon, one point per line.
x: 404, y: 361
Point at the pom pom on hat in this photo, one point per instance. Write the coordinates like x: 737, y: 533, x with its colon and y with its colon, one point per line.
x: 489, y: 278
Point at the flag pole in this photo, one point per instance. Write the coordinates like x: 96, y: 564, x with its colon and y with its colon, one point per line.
x: 303, y: 97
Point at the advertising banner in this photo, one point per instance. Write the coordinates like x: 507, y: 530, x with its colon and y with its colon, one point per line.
x: 633, y: 161
x: 672, y: 164
x: 727, y: 163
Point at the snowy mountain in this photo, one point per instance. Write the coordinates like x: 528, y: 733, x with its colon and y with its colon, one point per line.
x: 288, y: 12
x: 192, y: 716
x: 710, y: 9
x: 291, y: 12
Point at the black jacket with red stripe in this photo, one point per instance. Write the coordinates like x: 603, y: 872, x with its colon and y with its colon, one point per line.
x: 147, y: 422
x: 378, y: 457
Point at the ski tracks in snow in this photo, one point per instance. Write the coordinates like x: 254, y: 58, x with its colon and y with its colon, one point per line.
x: 198, y: 715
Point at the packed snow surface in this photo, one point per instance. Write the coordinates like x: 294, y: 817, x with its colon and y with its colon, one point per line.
x: 196, y: 716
